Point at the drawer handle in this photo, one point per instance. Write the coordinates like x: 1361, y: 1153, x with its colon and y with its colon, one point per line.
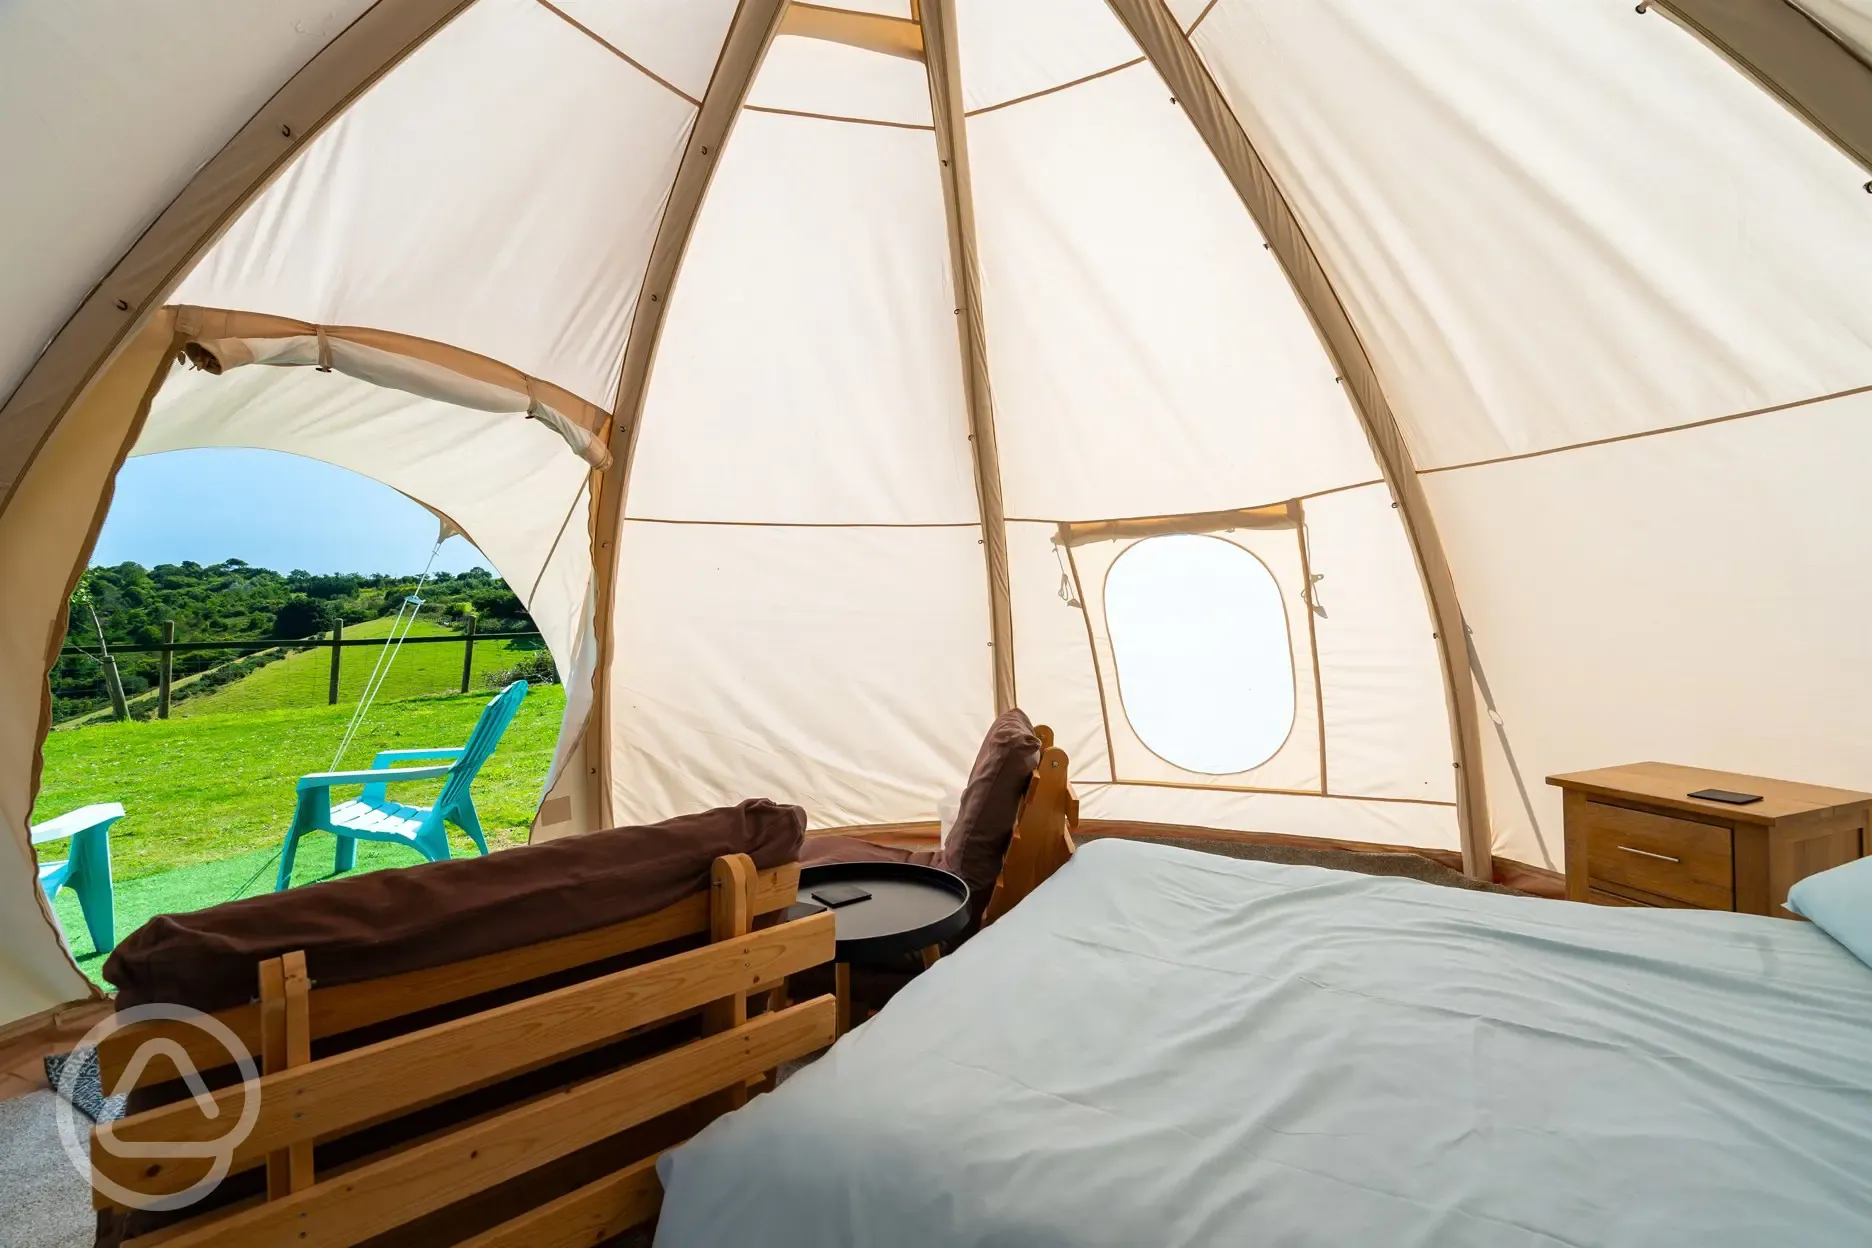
x: 1645, y: 853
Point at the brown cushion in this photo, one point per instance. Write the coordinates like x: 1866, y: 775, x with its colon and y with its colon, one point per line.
x: 823, y: 849
x: 426, y: 915
x: 984, y: 820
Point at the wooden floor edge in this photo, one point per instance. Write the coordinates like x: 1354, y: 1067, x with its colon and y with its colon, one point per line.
x: 25, y: 1043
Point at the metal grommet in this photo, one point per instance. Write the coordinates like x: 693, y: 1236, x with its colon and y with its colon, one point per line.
x: 1868, y: 187
x: 1641, y: 9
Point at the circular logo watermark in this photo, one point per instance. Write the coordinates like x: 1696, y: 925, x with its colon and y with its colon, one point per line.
x: 218, y: 1152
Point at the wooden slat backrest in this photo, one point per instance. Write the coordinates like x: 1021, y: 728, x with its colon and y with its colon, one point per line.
x: 429, y: 1177
x: 304, y: 1102
x: 1042, y: 840
x: 592, y: 1214
x: 349, y: 1006
x: 731, y: 917
x: 285, y: 1042
x: 412, y: 1182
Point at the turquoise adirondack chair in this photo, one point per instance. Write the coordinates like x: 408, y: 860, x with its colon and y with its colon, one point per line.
x: 372, y: 816
x: 87, y: 871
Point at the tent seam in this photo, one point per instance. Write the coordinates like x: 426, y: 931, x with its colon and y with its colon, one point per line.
x: 1651, y: 433
x: 855, y: 121
x: 1200, y: 18
x: 1092, y: 77
x: 809, y: 524
x: 1295, y: 498
x: 1046, y: 91
x: 616, y: 51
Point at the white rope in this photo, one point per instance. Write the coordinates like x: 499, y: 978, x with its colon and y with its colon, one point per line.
x: 386, y: 656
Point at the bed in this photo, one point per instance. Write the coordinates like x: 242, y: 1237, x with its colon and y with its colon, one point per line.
x: 1165, y: 1047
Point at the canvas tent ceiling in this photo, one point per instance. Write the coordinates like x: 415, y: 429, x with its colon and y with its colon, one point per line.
x: 1544, y: 328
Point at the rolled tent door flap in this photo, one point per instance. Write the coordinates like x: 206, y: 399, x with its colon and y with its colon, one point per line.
x: 396, y: 362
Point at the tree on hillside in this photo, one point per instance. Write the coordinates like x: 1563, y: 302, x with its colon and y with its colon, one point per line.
x: 235, y: 601
x: 301, y: 616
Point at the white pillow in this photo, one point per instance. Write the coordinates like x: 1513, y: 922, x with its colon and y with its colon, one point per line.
x: 1839, y: 903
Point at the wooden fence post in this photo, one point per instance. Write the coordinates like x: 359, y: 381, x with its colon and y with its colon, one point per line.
x: 113, y: 684
x: 468, y: 655
x: 331, y: 698
x: 165, y: 671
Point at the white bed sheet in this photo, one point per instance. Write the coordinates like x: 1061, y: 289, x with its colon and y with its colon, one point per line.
x: 1164, y: 1047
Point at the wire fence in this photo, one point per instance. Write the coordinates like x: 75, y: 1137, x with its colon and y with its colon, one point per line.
x: 335, y: 642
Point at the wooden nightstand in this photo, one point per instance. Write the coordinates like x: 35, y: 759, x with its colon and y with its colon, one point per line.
x: 1635, y: 838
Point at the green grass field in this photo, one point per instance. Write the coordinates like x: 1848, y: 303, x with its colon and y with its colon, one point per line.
x: 304, y: 679
x: 208, y: 797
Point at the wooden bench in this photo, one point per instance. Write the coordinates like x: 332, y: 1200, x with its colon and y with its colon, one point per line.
x: 498, y: 1177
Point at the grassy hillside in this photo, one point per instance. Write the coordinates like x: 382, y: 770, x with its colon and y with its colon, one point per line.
x: 215, y: 787
x: 234, y: 601
x: 207, y: 800
x: 304, y: 679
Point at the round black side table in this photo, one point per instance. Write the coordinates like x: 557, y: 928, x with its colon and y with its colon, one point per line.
x: 909, y: 909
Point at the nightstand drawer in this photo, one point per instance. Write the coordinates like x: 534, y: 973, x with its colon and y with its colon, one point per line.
x: 1676, y: 858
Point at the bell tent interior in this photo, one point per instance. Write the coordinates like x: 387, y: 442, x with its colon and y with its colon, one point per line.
x: 1331, y: 419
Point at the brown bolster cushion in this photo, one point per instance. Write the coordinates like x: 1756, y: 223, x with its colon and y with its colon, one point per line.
x: 429, y: 914
x: 984, y: 824
x: 820, y: 849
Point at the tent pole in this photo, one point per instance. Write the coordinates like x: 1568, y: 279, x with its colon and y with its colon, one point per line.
x: 1791, y: 57
x: 1168, y: 49
x: 749, y: 36
x: 945, y: 87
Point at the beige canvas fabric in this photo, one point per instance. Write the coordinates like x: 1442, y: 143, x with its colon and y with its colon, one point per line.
x: 1813, y: 64
x: 44, y: 533
x: 1849, y: 21
x: 1543, y: 331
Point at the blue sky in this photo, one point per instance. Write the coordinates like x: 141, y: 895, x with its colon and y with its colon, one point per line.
x: 275, y: 511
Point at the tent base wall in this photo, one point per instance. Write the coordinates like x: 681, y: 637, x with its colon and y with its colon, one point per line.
x: 1509, y: 873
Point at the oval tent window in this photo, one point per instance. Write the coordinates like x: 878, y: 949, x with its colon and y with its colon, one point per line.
x: 1199, y: 638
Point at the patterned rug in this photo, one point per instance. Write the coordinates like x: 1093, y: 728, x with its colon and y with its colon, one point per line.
x: 86, y: 1092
